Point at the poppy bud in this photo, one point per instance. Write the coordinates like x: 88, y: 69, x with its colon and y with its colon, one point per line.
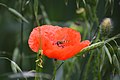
x: 105, y: 27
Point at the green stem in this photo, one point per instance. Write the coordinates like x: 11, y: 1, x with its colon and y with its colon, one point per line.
x: 45, y: 14
x: 87, y: 31
x: 55, y: 69
x: 21, y: 34
x: 38, y: 69
x: 38, y: 62
x: 87, y: 66
x: 97, y: 45
x: 36, y: 11
x: 60, y: 65
x: 1, y: 4
x: 98, y: 64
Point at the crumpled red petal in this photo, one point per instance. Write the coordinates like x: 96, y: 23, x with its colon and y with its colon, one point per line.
x: 40, y: 34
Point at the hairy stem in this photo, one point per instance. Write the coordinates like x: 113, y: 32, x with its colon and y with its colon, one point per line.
x: 38, y: 65
x: 97, y: 45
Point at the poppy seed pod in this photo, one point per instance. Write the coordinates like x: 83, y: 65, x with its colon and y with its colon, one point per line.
x: 105, y: 27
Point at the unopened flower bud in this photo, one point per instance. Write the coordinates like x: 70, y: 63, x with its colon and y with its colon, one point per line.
x: 105, y: 27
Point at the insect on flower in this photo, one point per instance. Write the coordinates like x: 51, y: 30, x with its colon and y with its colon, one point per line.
x: 61, y: 43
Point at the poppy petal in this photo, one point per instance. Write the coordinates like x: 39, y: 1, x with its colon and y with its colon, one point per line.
x: 40, y: 32
x: 75, y: 49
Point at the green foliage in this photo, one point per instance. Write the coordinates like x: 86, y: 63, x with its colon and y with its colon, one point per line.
x: 99, y: 61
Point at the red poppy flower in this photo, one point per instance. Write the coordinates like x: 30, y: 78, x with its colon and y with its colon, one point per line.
x: 56, y: 42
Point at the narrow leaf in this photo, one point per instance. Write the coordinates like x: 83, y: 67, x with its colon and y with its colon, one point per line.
x: 14, y: 65
x: 77, y: 3
x: 13, y: 11
x: 15, y: 58
x: 3, y: 5
x: 108, y: 54
x: 116, y: 63
x: 66, y: 2
x: 17, y: 14
x: 45, y: 14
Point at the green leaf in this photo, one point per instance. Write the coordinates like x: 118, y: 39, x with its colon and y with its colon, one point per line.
x: 66, y: 2
x: 84, y: 2
x: 116, y: 63
x: 102, y: 59
x: 45, y: 14
x: 13, y: 63
x: 77, y: 3
x: 13, y: 11
x: 15, y: 58
x: 16, y: 67
x: 3, y: 5
x: 108, y: 54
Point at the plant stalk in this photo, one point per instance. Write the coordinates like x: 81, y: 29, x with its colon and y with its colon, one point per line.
x: 38, y: 65
x: 97, y: 45
x: 55, y: 70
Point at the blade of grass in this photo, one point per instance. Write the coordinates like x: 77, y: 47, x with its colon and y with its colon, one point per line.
x: 108, y: 53
x: 116, y: 63
x: 66, y: 2
x: 16, y: 13
x: 45, y: 14
x: 87, y: 67
x: 13, y: 11
x: 15, y: 58
x: 14, y: 65
x: 77, y: 4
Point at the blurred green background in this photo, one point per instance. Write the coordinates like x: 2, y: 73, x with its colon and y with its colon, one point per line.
x: 14, y: 34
